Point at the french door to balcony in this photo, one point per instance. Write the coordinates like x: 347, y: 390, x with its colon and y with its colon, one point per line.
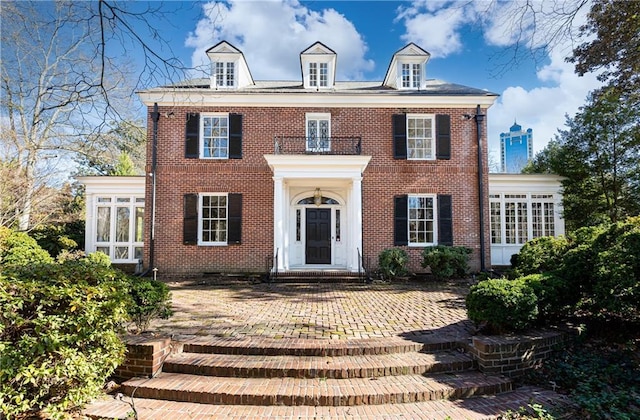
x: 318, y: 236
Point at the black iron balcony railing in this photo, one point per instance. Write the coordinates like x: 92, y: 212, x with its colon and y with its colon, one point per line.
x: 285, y: 145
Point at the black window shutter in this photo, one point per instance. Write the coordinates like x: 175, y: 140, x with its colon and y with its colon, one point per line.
x: 400, y: 216
x: 445, y: 220
x: 235, y: 136
x: 190, y: 224
x: 234, y: 224
x: 399, y: 136
x: 443, y: 137
x: 192, y: 136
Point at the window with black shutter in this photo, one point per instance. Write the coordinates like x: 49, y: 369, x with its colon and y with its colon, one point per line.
x: 443, y: 137
x: 399, y: 122
x: 445, y: 220
x: 192, y: 136
x: 235, y: 219
x: 400, y: 212
x: 190, y: 221
x: 235, y: 136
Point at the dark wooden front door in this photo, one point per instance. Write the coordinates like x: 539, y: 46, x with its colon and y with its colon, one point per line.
x: 318, y: 244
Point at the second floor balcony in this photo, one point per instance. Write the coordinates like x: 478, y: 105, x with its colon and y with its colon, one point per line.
x: 288, y: 145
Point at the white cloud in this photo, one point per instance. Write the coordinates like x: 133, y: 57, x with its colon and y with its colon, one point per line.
x: 438, y: 27
x: 271, y: 34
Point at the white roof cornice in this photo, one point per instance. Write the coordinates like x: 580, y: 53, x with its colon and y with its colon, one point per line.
x: 392, y: 99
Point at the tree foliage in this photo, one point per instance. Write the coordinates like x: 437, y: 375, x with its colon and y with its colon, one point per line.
x: 598, y: 154
x: 613, y: 27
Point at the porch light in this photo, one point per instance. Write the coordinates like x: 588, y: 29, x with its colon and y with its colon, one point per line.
x: 317, y: 197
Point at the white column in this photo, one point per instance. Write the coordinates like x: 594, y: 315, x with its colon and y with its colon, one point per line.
x: 356, y: 226
x: 278, y: 220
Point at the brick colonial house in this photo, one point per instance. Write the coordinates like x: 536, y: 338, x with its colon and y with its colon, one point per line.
x: 311, y: 174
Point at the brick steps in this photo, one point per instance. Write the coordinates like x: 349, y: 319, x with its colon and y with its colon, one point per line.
x: 477, y: 408
x: 314, y: 347
x: 339, y: 367
x: 315, y: 392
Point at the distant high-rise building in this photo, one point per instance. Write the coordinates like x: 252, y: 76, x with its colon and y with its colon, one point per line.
x: 516, y: 149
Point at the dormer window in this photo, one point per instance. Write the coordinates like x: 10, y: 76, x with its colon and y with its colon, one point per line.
x: 318, y: 74
x: 407, y: 68
x: 318, y: 63
x: 224, y: 73
x: 411, y: 76
x: 229, y: 69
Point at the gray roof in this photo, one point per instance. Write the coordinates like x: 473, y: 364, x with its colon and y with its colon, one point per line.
x: 434, y: 87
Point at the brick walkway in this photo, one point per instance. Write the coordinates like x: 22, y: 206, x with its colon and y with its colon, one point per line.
x: 337, y: 311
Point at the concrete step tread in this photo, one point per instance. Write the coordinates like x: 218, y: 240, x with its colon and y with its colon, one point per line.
x: 341, y: 367
x: 484, y: 407
x: 319, y: 391
x: 315, y: 347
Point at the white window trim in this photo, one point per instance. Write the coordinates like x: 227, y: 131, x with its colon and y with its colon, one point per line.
x: 112, y: 243
x: 307, y: 73
x: 528, y: 199
x: 225, y: 73
x: 201, y: 242
x: 316, y: 116
x: 433, y: 135
x: 411, y: 79
x: 434, y: 197
x: 201, y: 135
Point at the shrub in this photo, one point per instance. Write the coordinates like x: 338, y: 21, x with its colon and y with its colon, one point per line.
x: 59, y: 341
x: 393, y: 263
x: 553, y: 294
x: 99, y: 258
x: 54, y: 239
x: 446, y: 261
x: 18, y: 248
x: 149, y: 299
x: 502, y: 305
x: 540, y: 255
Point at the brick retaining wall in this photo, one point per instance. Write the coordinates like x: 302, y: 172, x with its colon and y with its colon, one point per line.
x: 513, y: 355
x: 145, y: 356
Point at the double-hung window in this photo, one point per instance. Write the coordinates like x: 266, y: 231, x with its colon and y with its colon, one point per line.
x: 213, y: 220
x: 422, y: 228
x: 421, y: 143
x: 318, y: 74
x: 215, y: 136
x: 411, y: 75
x: 225, y: 74
x: 318, y: 133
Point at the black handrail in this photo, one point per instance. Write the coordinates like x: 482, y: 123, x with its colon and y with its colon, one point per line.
x: 297, y: 145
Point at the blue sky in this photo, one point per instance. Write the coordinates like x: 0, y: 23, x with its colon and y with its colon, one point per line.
x: 466, y: 40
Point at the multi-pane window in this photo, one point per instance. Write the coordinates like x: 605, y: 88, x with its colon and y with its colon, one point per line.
x: 224, y: 72
x: 496, y: 222
x: 318, y: 74
x: 119, y: 227
x: 515, y: 212
x: 318, y: 132
x: 215, y: 136
x: 421, y: 219
x: 542, y: 215
x: 213, y: 222
x: 411, y: 75
x: 420, y: 137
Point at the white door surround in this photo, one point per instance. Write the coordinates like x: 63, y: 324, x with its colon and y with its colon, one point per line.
x: 296, y: 177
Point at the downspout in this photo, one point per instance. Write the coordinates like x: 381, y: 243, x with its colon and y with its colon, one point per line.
x: 155, y: 116
x: 479, y: 117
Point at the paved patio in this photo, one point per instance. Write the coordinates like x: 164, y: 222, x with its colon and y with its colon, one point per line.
x: 331, y: 311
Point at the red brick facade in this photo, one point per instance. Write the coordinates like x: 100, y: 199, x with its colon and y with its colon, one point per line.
x: 383, y: 178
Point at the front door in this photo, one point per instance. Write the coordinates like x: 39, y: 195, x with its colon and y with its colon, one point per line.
x: 318, y: 240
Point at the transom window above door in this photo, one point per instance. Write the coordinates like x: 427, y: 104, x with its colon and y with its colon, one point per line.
x: 318, y: 132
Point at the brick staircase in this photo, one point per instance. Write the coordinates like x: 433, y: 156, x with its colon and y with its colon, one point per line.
x: 311, y: 379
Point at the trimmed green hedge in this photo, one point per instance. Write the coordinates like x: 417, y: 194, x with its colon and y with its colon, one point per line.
x: 392, y: 263
x: 446, y: 262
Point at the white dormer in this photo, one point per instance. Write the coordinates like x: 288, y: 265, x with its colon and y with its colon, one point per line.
x: 318, y: 67
x: 229, y: 69
x: 408, y: 68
